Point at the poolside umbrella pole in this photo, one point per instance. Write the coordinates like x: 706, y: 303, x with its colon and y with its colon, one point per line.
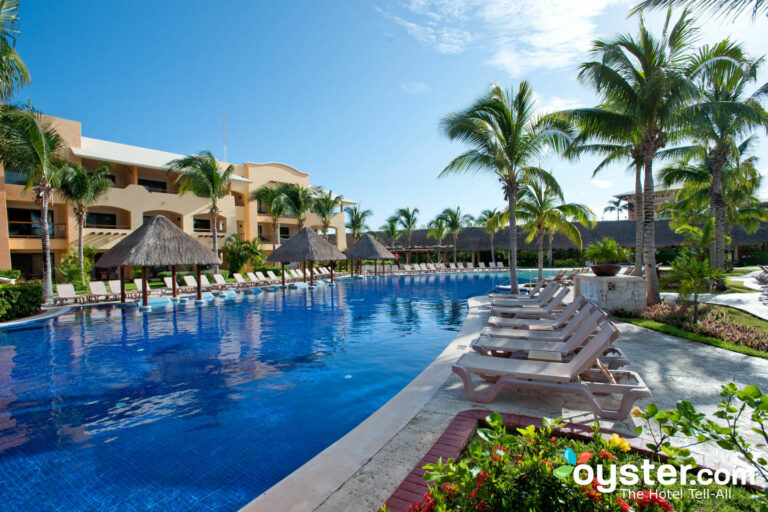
x: 306, y: 247
x: 369, y: 248
x: 158, y: 243
x: 282, y: 272
x: 173, y: 278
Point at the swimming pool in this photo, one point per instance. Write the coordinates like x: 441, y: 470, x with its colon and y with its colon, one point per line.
x: 205, y: 408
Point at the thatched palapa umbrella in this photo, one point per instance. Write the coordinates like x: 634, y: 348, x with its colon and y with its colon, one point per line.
x: 306, y: 246
x: 368, y: 248
x: 158, y: 243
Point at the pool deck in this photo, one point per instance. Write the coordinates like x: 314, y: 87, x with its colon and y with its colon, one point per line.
x: 362, y: 469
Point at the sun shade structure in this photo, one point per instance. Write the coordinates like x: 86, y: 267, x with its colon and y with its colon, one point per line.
x: 158, y: 243
x: 307, y: 246
x: 368, y: 248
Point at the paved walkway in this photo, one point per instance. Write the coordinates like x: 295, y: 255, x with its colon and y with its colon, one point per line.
x: 673, y: 369
x: 753, y: 303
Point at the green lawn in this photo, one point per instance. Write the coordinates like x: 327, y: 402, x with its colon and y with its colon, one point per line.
x: 733, y: 286
x: 738, y: 272
x: 738, y: 317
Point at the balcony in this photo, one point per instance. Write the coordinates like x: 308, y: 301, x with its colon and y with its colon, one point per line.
x: 32, y: 229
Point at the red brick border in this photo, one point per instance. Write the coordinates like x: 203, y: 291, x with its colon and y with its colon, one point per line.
x: 452, y: 442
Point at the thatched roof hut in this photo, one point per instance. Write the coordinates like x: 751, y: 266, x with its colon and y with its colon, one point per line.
x: 158, y: 243
x: 306, y: 245
x: 368, y: 248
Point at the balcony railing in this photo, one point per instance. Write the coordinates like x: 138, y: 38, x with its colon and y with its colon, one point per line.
x: 26, y: 229
x: 107, y: 226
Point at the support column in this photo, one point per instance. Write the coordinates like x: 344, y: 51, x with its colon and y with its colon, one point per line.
x: 121, y: 273
x: 199, y: 284
x: 282, y: 272
x: 173, y: 278
x: 144, y: 292
x: 311, y: 273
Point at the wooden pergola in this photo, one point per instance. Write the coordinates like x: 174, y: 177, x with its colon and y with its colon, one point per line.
x: 306, y: 247
x: 158, y: 243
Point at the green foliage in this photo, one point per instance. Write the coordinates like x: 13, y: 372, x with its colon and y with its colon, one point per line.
x: 21, y: 299
x: 694, y: 276
x: 69, y: 267
x: 757, y: 258
x: 10, y: 274
x: 239, y: 253
x: 356, y: 220
x: 569, y: 262
x: 606, y: 251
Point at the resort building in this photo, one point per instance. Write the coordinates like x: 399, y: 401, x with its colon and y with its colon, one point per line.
x: 661, y: 195
x: 143, y: 187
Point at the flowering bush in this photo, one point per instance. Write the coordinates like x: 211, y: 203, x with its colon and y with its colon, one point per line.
x: 532, y: 470
x: 713, y: 322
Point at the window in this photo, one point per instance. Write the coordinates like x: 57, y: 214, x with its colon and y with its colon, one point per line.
x: 285, y: 234
x: 100, y: 220
x: 201, y: 224
x: 153, y: 185
x: 15, y: 178
x: 26, y: 222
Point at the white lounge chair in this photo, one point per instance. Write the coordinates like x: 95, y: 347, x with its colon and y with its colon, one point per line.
x: 66, y: 293
x: 99, y: 292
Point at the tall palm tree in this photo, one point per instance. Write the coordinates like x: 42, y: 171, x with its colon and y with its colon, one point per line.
x: 407, y: 218
x: 644, y: 80
x: 437, y: 229
x: 300, y: 199
x: 81, y: 189
x: 617, y: 205
x: 724, y: 114
x: 391, y: 230
x: 13, y: 71
x: 506, y: 137
x: 543, y: 212
x: 490, y: 221
x: 327, y: 204
x: 722, y: 7
x: 356, y: 220
x: 454, y: 221
x: 273, y: 202
x: 29, y: 145
x: 201, y: 175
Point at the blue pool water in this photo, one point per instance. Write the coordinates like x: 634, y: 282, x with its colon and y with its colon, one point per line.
x: 204, y: 408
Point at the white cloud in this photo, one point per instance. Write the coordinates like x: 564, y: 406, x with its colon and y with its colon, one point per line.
x: 416, y: 88
x: 602, y: 183
x: 555, y: 103
x: 521, y: 35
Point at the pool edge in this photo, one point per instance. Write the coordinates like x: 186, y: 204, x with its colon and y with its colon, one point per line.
x: 311, y: 484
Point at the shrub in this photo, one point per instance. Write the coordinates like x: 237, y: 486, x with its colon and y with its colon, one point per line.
x: 758, y: 258
x: 69, y: 268
x: 570, y: 262
x: 527, y: 258
x: 713, y: 322
x: 606, y: 251
x: 10, y: 274
x: 21, y: 299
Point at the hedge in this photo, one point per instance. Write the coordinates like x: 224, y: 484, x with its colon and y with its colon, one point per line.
x: 10, y: 274
x: 23, y: 299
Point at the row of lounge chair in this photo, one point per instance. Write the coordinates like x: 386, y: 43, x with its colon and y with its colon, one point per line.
x: 110, y: 291
x: 420, y: 268
x: 536, y: 341
x: 762, y: 277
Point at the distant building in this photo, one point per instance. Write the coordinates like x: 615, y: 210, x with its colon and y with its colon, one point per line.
x: 661, y: 195
x: 143, y: 187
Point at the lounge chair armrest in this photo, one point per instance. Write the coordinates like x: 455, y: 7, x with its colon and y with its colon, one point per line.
x: 545, y: 355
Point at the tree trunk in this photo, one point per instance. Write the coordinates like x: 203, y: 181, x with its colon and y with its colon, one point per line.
x: 275, y: 233
x: 511, y: 198
x: 549, y: 251
x: 455, y: 240
x: 493, y: 252
x: 718, y: 256
x: 80, y: 248
x: 541, y: 256
x: 639, y: 216
x: 45, y: 241
x: 651, y: 279
x: 215, y: 235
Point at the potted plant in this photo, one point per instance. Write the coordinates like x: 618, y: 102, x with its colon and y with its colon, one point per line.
x: 606, y: 256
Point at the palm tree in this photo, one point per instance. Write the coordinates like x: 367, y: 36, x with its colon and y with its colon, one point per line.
x: 82, y: 188
x: 491, y: 222
x: 723, y: 7
x: 454, y: 221
x: 29, y: 146
x: 543, y: 212
x: 300, y: 200
x: 644, y: 81
x: 239, y: 252
x: 437, y: 229
x: 506, y: 136
x: 724, y: 114
x: 390, y: 229
x: 357, y: 220
x: 407, y: 218
x: 325, y: 206
x: 13, y: 71
x: 618, y: 206
x: 200, y: 174
x: 272, y: 200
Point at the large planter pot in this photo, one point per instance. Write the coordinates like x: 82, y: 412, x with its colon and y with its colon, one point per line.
x: 606, y: 269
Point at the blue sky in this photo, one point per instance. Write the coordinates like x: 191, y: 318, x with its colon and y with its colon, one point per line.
x: 348, y: 91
